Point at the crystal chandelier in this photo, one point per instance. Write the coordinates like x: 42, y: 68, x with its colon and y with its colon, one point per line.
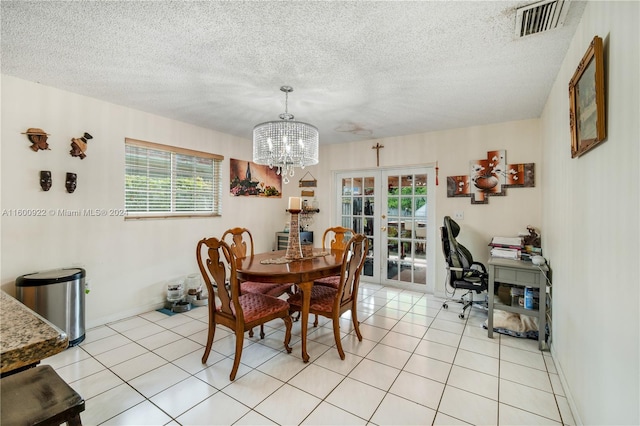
x: 285, y: 144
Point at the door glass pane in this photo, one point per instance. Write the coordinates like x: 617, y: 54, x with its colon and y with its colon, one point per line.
x: 408, y: 228
x: 405, y: 274
x: 368, y: 263
x: 369, y: 186
x: 392, y: 248
x: 369, y: 203
x: 392, y: 259
x: 346, y: 186
x: 357, y: 205
x: 392, y: 185
x: 392, y: 230
x: 357, y: 186
x: 420, y: 273
x: 406, y: 205
x: 392, y: 206
x: 420, y: 232
x: 420, y: 207
x: 368, y: 226
x: 407, y: 182
x: 346, y: 206
x: 357, y: 225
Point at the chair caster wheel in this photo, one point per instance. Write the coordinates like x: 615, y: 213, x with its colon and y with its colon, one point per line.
x: 461, y: 316
x: 444, y: 305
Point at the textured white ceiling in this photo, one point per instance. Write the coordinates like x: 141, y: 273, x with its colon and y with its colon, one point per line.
x: 359, y: 69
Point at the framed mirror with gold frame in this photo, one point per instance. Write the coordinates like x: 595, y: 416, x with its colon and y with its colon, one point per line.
x: 586, y: 101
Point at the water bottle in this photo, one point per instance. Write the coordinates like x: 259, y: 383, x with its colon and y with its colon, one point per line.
x: 528, y: 298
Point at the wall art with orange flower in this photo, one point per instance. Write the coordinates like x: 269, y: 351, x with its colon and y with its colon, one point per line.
x: 490, y: 177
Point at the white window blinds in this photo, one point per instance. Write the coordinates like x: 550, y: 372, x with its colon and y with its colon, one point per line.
x: 165, y: 181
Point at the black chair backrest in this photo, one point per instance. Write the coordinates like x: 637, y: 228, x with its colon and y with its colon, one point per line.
x: 456, y: 255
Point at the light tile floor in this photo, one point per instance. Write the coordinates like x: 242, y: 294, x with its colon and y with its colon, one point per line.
x: 418, y: 364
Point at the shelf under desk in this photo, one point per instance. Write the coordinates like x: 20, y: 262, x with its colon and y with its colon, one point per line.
x: 522, y: 274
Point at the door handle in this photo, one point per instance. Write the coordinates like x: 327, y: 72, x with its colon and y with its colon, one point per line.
x: 383, y: 229
x: 384, y: 216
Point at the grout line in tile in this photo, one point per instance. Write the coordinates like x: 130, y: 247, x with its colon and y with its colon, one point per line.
x: 400, y: 313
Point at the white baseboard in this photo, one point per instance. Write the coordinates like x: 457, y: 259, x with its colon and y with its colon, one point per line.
x: 565, y: 388
x: 119, y: 315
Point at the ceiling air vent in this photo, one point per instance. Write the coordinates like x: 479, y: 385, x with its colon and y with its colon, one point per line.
x: 541, y: 16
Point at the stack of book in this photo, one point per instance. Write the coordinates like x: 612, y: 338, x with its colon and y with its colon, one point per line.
x: 506, y: 247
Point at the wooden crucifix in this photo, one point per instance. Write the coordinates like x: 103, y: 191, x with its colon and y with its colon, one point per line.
x: 377, y: 148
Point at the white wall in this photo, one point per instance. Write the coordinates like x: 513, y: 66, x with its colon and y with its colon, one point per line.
x: 452, y: 150
x: 591, y: 218
x: 127, y: 262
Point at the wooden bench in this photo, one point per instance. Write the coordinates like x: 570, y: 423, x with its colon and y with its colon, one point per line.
x: 38, y: 396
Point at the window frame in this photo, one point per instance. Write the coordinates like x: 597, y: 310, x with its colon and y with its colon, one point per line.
x: 173, y: 150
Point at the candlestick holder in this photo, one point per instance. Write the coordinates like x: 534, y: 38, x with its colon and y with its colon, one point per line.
x: 294, y: 250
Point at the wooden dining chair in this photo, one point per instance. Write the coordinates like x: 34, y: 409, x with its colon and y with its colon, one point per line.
x: 239, y: 312
x: 339, y: 238
x: 332, y: 302
x: 240, y: 241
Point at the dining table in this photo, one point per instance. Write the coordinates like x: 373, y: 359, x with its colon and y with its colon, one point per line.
x: 273, y: 267
x: 26, y: 338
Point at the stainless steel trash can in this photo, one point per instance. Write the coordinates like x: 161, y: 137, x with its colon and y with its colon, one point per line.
x: 58, y: 296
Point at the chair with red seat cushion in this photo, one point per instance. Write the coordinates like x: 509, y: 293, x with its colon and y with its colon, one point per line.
x: 239, y: 312
x: 332, y: 302
x: 340, y: 237
x: 240, y: 241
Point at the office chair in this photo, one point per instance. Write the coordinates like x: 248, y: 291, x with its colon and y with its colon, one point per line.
x: 462, y: 272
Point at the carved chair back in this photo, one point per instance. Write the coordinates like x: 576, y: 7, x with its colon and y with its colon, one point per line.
x: 354, y: 256
x: 340, y: 237
x: 237, y: 239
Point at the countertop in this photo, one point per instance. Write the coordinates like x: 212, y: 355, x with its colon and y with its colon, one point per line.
x: 26, y: 337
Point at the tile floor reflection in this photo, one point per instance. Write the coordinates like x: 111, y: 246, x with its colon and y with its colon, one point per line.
x: 418, y: 364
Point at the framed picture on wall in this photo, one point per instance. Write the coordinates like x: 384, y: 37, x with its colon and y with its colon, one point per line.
x: 248, y: 179
x: 586, y: 101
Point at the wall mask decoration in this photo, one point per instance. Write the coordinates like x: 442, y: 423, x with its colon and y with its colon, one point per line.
x: 71, y: 182
x: 79, y: 146
x: 490, y: 177
x: 45, y: 180
x: 38, y: 138
x: 250, y: 179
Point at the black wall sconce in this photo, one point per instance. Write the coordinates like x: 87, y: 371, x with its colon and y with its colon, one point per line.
x: 72, y: 180
x: 45, y: 180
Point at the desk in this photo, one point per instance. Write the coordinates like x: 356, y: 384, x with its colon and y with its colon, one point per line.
x: 524, y: 274
x: 301, y: 272
x: 25, y: 337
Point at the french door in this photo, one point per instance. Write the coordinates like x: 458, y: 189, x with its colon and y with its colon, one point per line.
x: 393, y: 209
